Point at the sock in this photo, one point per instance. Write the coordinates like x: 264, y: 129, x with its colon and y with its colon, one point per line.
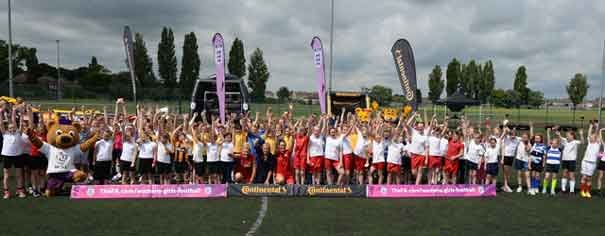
x: 553, y: 185
x: 544, y: 185
x: 563, y: 184
x: 572, y: 186
x: 582, y: 187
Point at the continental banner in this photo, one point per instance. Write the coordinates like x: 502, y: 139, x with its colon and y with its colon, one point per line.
x: 259, y: 190
x: 406, y: 70
x: 330, y: 191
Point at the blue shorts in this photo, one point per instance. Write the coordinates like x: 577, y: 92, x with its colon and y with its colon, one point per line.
x: 492, y: 169
x: 521, y: 165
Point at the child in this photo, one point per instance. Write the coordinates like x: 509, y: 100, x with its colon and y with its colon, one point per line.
x: 536, y: 164
x: 162, y: 160
x: 553, y: 163
x: 12, y: 144
x: 589, y: 162
x: 128, y: 157
x: 102, y: 158
x: 475, y: 156
x: 245, y: 168
x: 199, y: 169
x: 315, y: 155
x: 394, y: 154
x: 509, y: 149
x: 455, y: 150
x: 301, y: 147
x: 491, y: 163
x: 226, y: 158
x: 333, y: 157
x: 418, y: 148
x: 435, y: 156
x: 147, y: 152
x: 282, y: 170
x: 521, y: 163
x: 378, y: 160
x: 181, y: 151
x: 570, y: 154
x: 360, y: 151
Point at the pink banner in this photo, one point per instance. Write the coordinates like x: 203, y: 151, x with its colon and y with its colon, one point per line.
x: 427, y: 191
x: 219, y: 60
x: 318, y: 59
x: 148, y: 191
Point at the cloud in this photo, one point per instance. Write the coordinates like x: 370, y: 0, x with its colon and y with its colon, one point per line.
x: 553, y: 40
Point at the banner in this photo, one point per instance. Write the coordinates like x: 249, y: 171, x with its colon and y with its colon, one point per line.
x: 406, y: 69
x: 429, y: 191
x: 129, y: 48
x: 320, y: 69
x: 148, y: 191
x: 219, y: 60
x: 330, y: 191
x: 259, y: 190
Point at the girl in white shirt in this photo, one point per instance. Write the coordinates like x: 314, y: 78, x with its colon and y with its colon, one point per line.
x: 475, y: 155
x: 315, y: 154
x: 394, y: 155
x: 589, y: 163
x: 378, y: 160
x: 226, y: 157
x: 163, y: 160
x: 491, y: 163
x: 128, y: 158
x: 521, y: 163
x: 333, y: 156
x: 212, y: 160
x: 569, y: 158
x: 147, y: 151
x: 102, y: 158
x: 361, y: 153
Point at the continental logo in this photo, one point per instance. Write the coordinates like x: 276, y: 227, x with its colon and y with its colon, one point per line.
x: 314, y: 190
x: 262, y: 189
x: 403, y: 79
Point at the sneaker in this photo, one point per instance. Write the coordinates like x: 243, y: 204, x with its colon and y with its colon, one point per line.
x: 7, y: 195
x: 544, y: 191
x: 508, y: 189
x: 552, y: 193
x: 116, y: 177
x: 21, y: 194
x: 587, y: 194
x: 30, y: 190
x: 36, y: 194
x: 520, y: 189
x: 582, y: 194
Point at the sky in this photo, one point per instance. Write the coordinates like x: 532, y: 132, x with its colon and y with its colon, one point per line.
x: 554, y: 39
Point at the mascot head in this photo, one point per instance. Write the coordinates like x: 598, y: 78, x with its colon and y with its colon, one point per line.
x: 63, y: 134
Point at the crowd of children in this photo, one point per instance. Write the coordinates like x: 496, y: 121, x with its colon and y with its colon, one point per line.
x: 153, y: 146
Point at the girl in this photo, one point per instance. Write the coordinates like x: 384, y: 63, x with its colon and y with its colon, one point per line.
x: 333, y: 157
x: 394, y: 154
x: 199, y: 168
x: 418, y: 147
x: 521, y: 163
x: 589, y: 162
x: 12, y: 143
x: 102, y: 158
x: 455, y: 150
x: 315, y: 155
x: 265, y: 165
x: 377, y: 152
x: 162, y: 159
x: 491, y: 163
x: 128, y: 157
x: 282, y: 170
x: 147, y: 152
x: 212, y: 159
x: 245, y: 168
x: 301, y: 147
x: 360, y: 152
x: 510, y: 144
x: 434, y: 143
x: 570, y: 154
x: 38, y: 162
x: 226, y: 158
x: 536, y: 161
x: 553, y: 162
x: 181, y: 151
x: 475, y: 156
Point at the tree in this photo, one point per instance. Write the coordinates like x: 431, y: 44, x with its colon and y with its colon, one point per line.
x: 167, y: 58
x: 535, y: 99
x: 470, y: 77
x: 97, y: 78
x: 383, y: 95
x: 498, y: 97
x: 512, y: 99
x: 19, y: 62
x: 190, y: 64
x: 237, y: 59
x: 520, y: 84
x: 283, y: 94
x: 452, y: 76
x: 418, y: 96
x: 143, y: 66
x: 488, y: 82
x: 436, y: 84
x: 258, y: 75
x: 577, y: 89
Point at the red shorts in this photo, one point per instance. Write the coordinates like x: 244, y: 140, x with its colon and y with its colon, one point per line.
x: 379, y: 165
x: 417, y: 161
x: 348, y: 161
x: 451, y: 166
x: 246, y: 174
x: 330, y: 163
x: 360, y: 163
x: 317, y: 164
x: 434, y: 162
x: 394, y: 168
x: 300, y: 162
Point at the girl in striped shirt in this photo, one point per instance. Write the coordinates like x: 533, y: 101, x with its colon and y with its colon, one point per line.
x: 553, y: 163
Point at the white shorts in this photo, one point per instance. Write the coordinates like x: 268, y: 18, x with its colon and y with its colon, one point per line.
x: 588, y: 168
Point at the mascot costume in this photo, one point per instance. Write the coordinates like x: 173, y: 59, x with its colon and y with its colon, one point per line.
x: 62, y: 147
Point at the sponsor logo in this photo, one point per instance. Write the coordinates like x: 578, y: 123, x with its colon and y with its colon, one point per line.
x: 90, y: 192
x: 403, y: 79
x: 262, y: 189
x: 315, y: 190
x: 208, y: 190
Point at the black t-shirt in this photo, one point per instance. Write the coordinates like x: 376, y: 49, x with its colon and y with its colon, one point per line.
x: 263, y: 166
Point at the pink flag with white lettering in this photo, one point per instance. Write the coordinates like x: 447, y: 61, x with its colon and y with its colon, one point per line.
x: 318, y: 59
x: 219, y: 60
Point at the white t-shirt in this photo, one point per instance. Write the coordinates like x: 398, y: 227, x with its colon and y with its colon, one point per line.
x: 146, y: 150
x: 12, y: 144
x: 418, y: 144
x: 570, y: 149
x: 377, y: 152
x: 198, y: 156
x: 592, y: 152
x: 333, y: 148
x: 60, y: 160
x: 510, y: 146
x: 128, y: 151
x: 394, y: 153
x: 491, y: 153
x: 522, y: 154
x: 475, y: 152
x: 316, y: 146
x: 361, y: 146
x: 227, y: 152
x: 104, y: 150
x: 164, y: 153
x: 212, y: 152
x: 434, y: 146
x: 443, y: 147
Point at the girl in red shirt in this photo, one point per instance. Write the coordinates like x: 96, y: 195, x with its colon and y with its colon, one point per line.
x: 301, y: 146
x: 283, y: 170
x: 455, y: 150
x: 245, y: 166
